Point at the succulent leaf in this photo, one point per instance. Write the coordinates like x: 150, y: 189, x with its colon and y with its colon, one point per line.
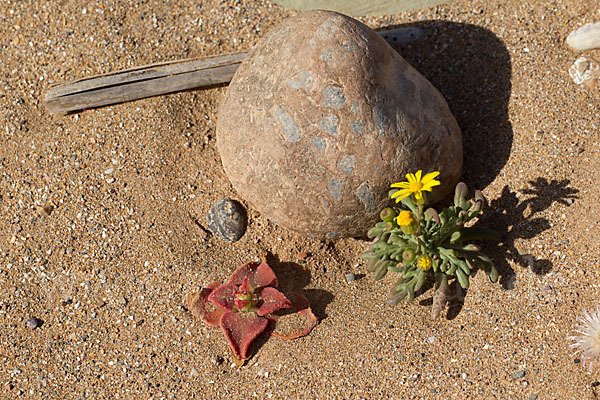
x: 460, y: 193
x: 307, y: 320
x: 463, y: 279
x: 240, y: 330
x: 271, y: 300
x: 259, y: 275
x: 199, y: 305
x: 224, y: 296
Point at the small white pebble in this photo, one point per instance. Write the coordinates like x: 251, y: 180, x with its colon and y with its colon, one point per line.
x: 431, y: 339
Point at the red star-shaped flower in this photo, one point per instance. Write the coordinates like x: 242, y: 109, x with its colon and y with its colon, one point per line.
x: 242, y: 307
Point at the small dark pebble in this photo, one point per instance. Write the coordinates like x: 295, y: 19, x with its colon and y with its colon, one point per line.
x: 401, y: 357
x: 67, y: 302
x: 33, y: 323
x: 577, y: 361
x: 391, y: 326
x: 595, y: 383
x: 519, y: 374
x: 46, y: 210
x: 217, y: 360
x: 227, y: 220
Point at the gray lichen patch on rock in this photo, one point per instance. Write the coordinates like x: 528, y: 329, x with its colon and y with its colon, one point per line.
x: 347, y: 165
x: 325, y: 55
x: 319, y: 143
x: 357, y: 127
x: 329, y: 124
x: 303, y: 80
x: 289, y: 127
x: 333, y: 97
x: 335, y: 188
x: 366, y: 197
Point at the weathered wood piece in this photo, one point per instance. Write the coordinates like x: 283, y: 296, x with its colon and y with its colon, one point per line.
x: 163, y: 78
x: 140, y: 82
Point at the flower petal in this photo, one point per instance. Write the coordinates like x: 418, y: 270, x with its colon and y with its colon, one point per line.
x: 430, y: 184
x: 430, y: 177
x: 197, y: 304
x: 402, y: 197
x: 259, y: 275
x: 418, y: 175
x: 400, y: 193
x: 418, y: 195
x: 298, y: 326
x: 271, y: 299
x: 411, y: 178
x: 404, y: 185
x: 240, y: 330
x: 224, y: 296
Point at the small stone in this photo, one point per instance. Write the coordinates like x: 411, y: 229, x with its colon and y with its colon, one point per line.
x: 122, y: 301
x: 585, y: 38
x: 302, y: 255
x: 519, y: 374
x: 585, y: 71
x: 533, y: 397
x: 217, y: 360
x: 45, y: 210
x: 194, y: 373
x: 350, y: 277
x: 33, y: 323
x: 227, y: 220
x: 569, y: 201
x: 595, y: 383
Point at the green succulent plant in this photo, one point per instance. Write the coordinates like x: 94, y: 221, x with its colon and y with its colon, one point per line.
x: 421, y: 245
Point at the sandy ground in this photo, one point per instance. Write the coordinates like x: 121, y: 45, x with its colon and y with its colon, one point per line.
x: 108, y: 269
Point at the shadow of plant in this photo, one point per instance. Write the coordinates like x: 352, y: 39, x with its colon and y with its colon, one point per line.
x: 517, y: 219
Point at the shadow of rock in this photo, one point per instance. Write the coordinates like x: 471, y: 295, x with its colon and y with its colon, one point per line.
x: 471, y: 67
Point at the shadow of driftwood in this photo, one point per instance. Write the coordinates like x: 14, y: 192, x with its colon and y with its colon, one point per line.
x: 471, y: 67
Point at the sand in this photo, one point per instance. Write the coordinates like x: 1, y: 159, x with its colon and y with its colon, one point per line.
x: 107, y: 270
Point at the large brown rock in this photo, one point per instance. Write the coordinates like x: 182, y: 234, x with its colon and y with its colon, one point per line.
x: 322, y: 116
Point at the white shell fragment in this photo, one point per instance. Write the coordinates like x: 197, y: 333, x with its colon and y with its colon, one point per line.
x: 585, y: 70
x: 585, y: 38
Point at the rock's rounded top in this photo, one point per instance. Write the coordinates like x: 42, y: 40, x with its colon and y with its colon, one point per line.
x: 322, y: 116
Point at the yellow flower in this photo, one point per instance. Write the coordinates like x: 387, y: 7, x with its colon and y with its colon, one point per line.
x: 416, y: 186
x: 405, y: 218
x: 424, y: 262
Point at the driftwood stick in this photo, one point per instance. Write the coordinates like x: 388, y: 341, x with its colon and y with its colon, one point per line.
x: 162, y: 78
x: 140, y: 82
